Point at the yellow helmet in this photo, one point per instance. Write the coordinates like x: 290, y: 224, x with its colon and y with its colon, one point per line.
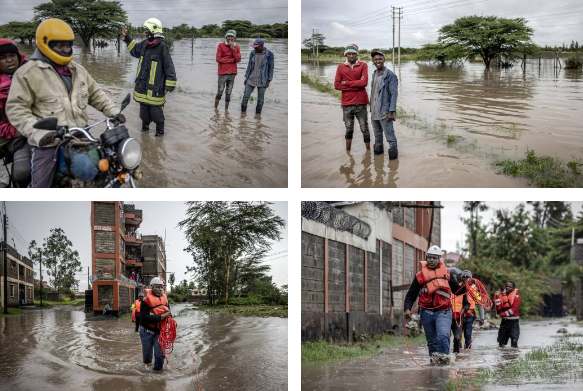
x: 52, y: 30
x: 154, y: 25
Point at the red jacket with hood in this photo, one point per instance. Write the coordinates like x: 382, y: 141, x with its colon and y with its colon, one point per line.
x: 354, y: 91
x: 6, y: 129
x: 228, y: 58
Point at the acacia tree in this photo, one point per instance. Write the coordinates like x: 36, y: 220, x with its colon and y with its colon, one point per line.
x: 24, y: 31
x: 87, y: 18
x: 59, y: 259
x: 172, y: 280
x: 222, y: 233
x: 315, y: 39
x: 489, y: 36
x: 473, y: 223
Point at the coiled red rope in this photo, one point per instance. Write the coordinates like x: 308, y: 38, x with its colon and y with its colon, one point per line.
x: 195, y: 370
x: 167, y: 335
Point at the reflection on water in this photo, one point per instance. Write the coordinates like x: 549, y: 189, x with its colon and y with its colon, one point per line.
x: 202, y: 148
x: 59, y: 350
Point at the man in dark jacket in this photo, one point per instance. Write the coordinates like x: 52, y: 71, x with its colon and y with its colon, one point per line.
x: 150, y: 317
x: 383, y: 105
x: 155, y: 76
x: 259, y: 74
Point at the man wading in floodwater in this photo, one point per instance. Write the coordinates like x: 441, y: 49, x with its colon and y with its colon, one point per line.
x: 434, y: 288
x: 228, y: 55
x: 383, y: 105
x: 507, y: 303
x: 352, y: 79
x: 154, y: 308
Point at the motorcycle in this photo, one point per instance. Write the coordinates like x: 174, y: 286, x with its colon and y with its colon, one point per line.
x: 83, y: 161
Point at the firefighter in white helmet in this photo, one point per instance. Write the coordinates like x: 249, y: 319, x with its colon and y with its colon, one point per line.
x: 153, y: 309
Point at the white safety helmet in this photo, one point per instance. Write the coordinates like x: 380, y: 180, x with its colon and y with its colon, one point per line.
x: 157, y: 281
x: 434, y: 250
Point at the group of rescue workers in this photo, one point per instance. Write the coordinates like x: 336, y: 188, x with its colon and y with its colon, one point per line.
x: 50, y: 84
x: 446, y: 306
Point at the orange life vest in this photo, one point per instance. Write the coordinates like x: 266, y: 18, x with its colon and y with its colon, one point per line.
x: 136, y: 310
x: 435, y: 293
x: 504, y: 301
x: 158, y: 305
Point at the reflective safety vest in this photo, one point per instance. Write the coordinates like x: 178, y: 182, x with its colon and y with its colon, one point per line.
x: 435, y: 293
x: 158, y: 305
x: 136, y: 310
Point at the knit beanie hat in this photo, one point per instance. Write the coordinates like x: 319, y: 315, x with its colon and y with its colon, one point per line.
x: 231, y: 32
x: 8, y: 46
x: 351, y: 49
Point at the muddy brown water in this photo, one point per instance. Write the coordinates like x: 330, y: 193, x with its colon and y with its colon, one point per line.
x: 202, y: 147
x: 57, y: 349
x: 394, y: 370
x: 499, y: 114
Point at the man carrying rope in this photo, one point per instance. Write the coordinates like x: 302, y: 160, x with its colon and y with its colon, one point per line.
x: 434, y: 288
x: 469, y: 315
x: 153, y: 310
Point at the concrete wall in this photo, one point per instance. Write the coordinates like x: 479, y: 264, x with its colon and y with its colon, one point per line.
x: 436, y: 231
x: 387, y: 272
x: 397, y: 272
x: 104, y: 214
x: 356, y: 279
x: 373, y: 281
x: 312, y: 273
x: 105, y: 242
x: 336, y: 276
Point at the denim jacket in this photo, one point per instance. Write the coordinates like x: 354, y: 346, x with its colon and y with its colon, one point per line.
x: 388, y: 91
x: 266, y: 66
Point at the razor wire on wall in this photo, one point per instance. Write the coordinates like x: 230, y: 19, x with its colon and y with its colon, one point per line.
x: 335, y: 218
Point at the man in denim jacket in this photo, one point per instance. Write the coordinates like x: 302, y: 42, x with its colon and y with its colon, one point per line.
x: 383, y: 105
x: 259, y: 74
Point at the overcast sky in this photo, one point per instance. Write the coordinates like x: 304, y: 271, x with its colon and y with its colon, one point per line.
x: 35, y: 219
x: 368, y: 24
x: 453, y: 230
x: 174, y: 12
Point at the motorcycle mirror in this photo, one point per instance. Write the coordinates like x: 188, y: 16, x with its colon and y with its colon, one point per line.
x: 125, y: 102
x: 49, y: 123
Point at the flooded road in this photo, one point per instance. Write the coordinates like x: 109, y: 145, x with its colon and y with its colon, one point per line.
x: 394, y: 370
x: 202, y: 147
x: 492, y: 115
x: 57, y: 349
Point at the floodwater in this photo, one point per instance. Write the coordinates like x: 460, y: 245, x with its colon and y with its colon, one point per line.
x: 202, y: 147
x: 394, y: 369
x: 58, y: 349
x: 498, y: 114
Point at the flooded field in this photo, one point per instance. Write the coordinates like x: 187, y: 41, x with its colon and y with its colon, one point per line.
x: 202, y: 147
x: 57, y: 349
x: 394, y: 370
x: 489, y: 116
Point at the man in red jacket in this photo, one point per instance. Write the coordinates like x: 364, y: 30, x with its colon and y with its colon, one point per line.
x: 507, y: 303
x: 352, y: 79
x: 228, y: 55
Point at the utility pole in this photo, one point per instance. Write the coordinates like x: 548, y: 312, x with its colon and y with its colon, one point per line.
x: 317, y: 44
x: 393, y: 15
x: 400, y: 17
x: 41, y: 278
x: 5, y: 249
x: 313, y: 41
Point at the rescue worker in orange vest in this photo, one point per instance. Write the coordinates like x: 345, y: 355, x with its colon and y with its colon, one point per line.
x: 459, y: 305
x: 464, y: 314
x: 136, y: 310
x: 434, y: 288
x: 507, y: 303
x: 153, y: 309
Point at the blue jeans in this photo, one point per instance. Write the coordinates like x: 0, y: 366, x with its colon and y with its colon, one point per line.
x: 468, y: 323
x: 437, y: 326
x: 380, y: 126
x: 260, y: 95
x: 149, y: 341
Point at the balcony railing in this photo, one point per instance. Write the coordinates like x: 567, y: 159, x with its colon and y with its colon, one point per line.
x: 119, y: 277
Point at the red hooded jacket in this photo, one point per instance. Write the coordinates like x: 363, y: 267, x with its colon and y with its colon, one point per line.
x: 228, y: 58
x: 6, y: 129
x: 354, y: 91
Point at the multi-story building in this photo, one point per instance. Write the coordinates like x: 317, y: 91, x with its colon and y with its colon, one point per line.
x: 154, y: 259
x: 358, y: 260
x: 20, y: 278
x: 116, y: 253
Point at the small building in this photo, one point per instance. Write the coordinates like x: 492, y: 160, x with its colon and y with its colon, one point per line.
x: 452, y: 259
x: 20, y: 278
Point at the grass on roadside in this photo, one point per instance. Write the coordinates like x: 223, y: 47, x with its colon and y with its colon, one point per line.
x: 50, y: 303
x: 322, y: 351
x: 262, y: 310
x: 544, y: 171
x: 11, y: 311
x: 320, y: 85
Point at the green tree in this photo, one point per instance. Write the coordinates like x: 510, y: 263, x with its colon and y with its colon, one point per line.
x: 210, y: 30
x: 87, y: 18
x: 244, y: 28
x: 315, y: 39
x: 172, y: 280
x: 221, y: 233
x: 23, y: 31
x: 59, y: 259
x: 441, y: 53
x: 473, y: 223
x: 489, y: 36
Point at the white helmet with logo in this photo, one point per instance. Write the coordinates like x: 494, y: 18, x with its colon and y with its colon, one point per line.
x: 157, y: 281
x: 434, y: 250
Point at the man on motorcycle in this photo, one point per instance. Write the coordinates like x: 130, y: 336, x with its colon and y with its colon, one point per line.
x: 13, y: 147
x: 51, y: 85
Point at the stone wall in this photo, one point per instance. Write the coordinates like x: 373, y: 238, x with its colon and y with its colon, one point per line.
x: 373, y: 281
x: 105, y: 268
x: 398, y: 217
x: 104, y: 213
x: 398, y: 272
x: 409, y: 264
x: 387, y: 257
x: 356, y: 279
x: 436, y: 231
x: 336, y: 276
x: 410, y: 219
x: 124, y: 298
x: 312, y: 273
x: 105, y: 295
x: 105, y: 242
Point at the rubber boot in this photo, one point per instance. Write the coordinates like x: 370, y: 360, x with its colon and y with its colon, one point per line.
x: 159, y: 129
x: 258, y: 110
x: 378, y: 149
x: 217, y: 101
x: 367, y: 146
x: 226, y: 105
x: 348, y: 144
x: 393, y: 154
x: 145, y: 127
x: 243, y: 108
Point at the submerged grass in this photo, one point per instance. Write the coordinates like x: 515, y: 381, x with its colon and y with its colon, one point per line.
x: 320, y: 85
x: 262, y: 310
x: 11, y: 311
x: 321, y: 351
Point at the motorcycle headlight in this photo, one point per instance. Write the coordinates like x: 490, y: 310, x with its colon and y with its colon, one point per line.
x: 130, y: 153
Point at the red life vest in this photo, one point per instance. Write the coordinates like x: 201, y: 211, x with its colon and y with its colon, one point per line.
x: 136, y: 310
x: 503, y: 300
x: 158, y: 305
x: 435, y: 293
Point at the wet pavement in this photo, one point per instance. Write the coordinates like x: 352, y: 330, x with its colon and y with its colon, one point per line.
x: 499, y: 114
x: 202, y: 147
x: 394, y: 369
x: 57, y: 349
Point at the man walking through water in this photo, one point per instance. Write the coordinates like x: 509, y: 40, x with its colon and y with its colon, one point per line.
x: 154, y: 308
x: 155, y: 76
x: 507, y: 303
x: 228, y: 55
x: 352, y: 79
x: 434, y: 288
x: 259, y: 74
x: 383, y: 105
